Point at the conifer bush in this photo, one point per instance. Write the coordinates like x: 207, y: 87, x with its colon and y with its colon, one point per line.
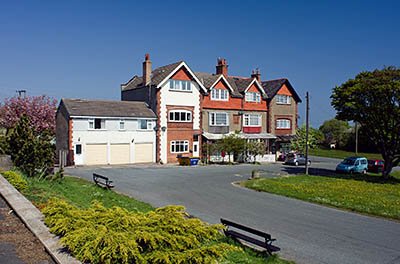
x: 116, y: 235
x: 16, y: 180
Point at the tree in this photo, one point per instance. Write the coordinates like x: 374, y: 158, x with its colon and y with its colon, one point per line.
x: 232, y: 144
x: 335, y: 131
x: 40, y: 109
x: 255, y: 148
x: 373, y: 100
x: 32, y: 152
x: 314, y: 136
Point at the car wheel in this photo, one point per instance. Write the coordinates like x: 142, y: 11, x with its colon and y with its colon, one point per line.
x: 296, y: 163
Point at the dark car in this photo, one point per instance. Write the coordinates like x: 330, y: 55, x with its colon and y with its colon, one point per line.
x: 296, y: 159
x: 375, y: 165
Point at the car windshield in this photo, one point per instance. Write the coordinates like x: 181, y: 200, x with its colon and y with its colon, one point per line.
x: 349, y: 161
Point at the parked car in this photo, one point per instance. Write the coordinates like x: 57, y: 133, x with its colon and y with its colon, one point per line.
x: 296, y: 159
x: 353, y: 165
x: 376, y: 165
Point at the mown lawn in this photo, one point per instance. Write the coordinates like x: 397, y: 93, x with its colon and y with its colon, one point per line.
x: 80, y: 192
x: 367, y: 194
x: 341, y: 154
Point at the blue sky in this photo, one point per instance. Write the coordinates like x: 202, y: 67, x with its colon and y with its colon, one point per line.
x: 86, y: 49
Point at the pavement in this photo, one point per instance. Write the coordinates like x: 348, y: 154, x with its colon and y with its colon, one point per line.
x: 34, y: 221
x: 305, y: 232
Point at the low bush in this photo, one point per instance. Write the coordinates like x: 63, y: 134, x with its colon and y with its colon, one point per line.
x: 116, y: 235
x: 16, y: 180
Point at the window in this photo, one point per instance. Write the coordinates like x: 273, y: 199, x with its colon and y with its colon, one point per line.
x: 78, y: 149
x: 252, y: 97
x: 145, y: 124
x: 283, y: 123
x: 282, y: 99
x: 180, y: 116
x: 180, y: 85
x: 180, y: 146
x: 97, y: 123
x: 219, y: 94
x: 219, y: 119
x: 253, y: 120
x: 121, y: 124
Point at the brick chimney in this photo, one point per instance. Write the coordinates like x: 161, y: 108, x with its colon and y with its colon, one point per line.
x: 146, y: 69
x: 222, y: 67
x: 256, y: 75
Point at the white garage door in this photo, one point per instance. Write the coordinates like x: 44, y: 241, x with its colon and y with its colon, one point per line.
x: 120, y: 154
x: 96, y: 154
x: 143, y: 152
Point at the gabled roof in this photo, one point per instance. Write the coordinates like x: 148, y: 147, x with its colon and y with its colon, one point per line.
x: 157, y: 76
x: 209, y: 80
x: 106, y: 108
x: 273, y: 86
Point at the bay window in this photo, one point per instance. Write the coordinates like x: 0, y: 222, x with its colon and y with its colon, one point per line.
x: 252, y: 120
x: 283, y: 124
x: 219, y: 119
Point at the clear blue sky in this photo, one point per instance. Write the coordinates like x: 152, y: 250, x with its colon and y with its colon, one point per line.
x: 86, y: 49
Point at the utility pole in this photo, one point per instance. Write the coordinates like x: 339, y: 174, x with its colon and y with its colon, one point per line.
x: 356, y: 125
x: 307, y: 113
x: 20, y: 92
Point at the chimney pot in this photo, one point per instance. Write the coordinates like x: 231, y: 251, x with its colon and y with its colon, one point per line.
x: 256, y: 74
x: 222, y: 67
x: 146, y: 69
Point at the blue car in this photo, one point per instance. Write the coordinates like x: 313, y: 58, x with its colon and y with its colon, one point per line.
x: 353, y: 165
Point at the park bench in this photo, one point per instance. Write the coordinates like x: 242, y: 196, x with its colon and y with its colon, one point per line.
x: 265, y: 243
x: 102, y: 181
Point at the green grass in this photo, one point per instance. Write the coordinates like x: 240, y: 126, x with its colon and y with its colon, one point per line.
x: 81, y: 192
x: 341, y: 154
x: 367, y: 194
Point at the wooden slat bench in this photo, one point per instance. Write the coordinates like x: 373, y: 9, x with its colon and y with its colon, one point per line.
x: 266, y: 243
x: 102, y: 181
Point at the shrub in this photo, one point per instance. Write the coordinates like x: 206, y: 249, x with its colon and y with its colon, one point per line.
x: 16, y: 180
x: 115, y: 235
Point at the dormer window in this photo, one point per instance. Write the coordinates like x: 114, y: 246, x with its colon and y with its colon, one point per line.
x: 180, y: 85
x: 282, y: 99
x: 219, y: 94
x: 253, y: 97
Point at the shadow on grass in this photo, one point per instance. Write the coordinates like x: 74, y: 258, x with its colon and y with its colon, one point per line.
x: 369, y: 177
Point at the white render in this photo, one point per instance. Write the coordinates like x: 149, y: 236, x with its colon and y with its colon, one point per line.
x: 81, y: 134
x: 177, y: 98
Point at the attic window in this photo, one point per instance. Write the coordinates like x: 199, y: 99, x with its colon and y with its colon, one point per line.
x: 282, y: 99
x: 180, y: 85
x: 219, y: 94
x: 253, y: 97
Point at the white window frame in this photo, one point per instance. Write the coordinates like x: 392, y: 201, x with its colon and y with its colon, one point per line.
x: 180, y: 85
x: 253, y: 97
x: 247, y: 119
x: 282, y: 99
x: 219, y: 94
x: 213, y: 119
x: 175, y: 143
x: 92, y: 124
x: 149, y: 125
x: 121, y: 122
x: 283, y: 123
x: 179, y: 111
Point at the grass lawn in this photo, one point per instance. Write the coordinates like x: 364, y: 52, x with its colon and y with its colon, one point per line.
x: 366, y: 194
x: 341, y: 154
x: 80, y: 192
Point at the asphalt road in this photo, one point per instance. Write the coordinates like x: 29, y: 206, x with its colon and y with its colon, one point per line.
x: 305, y: 232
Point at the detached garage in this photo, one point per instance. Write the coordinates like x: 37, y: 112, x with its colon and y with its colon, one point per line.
x: 99, y: 132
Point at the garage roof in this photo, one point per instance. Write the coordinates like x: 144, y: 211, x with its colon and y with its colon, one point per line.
x: 106, y: 108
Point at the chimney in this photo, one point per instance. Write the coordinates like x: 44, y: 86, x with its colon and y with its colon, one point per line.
x: 146, y: 70
x: 256, y: 75
x: 222, y: 67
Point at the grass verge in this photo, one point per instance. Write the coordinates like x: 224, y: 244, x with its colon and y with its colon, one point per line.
x: 341, y: 154
x: 81, y: 192
x: 367, y: 194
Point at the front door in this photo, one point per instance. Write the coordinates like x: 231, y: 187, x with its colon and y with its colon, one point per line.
x: 196, y: 152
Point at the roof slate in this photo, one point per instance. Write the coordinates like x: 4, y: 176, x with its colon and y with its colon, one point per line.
x: 106, y: 108
x: 273, y: 86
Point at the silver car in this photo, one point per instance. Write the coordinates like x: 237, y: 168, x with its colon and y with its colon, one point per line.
x: 296, y: 159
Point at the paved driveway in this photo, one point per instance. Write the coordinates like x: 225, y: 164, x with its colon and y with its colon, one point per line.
x: 306, y: 233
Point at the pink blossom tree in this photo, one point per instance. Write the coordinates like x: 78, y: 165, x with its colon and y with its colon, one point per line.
x: 40, y: 109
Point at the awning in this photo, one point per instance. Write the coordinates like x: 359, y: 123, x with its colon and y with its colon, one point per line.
x: 211, y: 136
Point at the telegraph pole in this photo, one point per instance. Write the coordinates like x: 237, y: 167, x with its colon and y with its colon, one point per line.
x: 307, y: 113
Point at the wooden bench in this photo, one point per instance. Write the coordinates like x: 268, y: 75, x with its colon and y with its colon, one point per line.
x: 102, y: 181
x: 266, y: 243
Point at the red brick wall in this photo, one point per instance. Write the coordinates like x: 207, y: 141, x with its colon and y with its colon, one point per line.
x: 158, y: 137
x: 281, y: 131
x: 182, y: 74
x: 70, y: 158
x: 284, y: 91
x: 261, y: 106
